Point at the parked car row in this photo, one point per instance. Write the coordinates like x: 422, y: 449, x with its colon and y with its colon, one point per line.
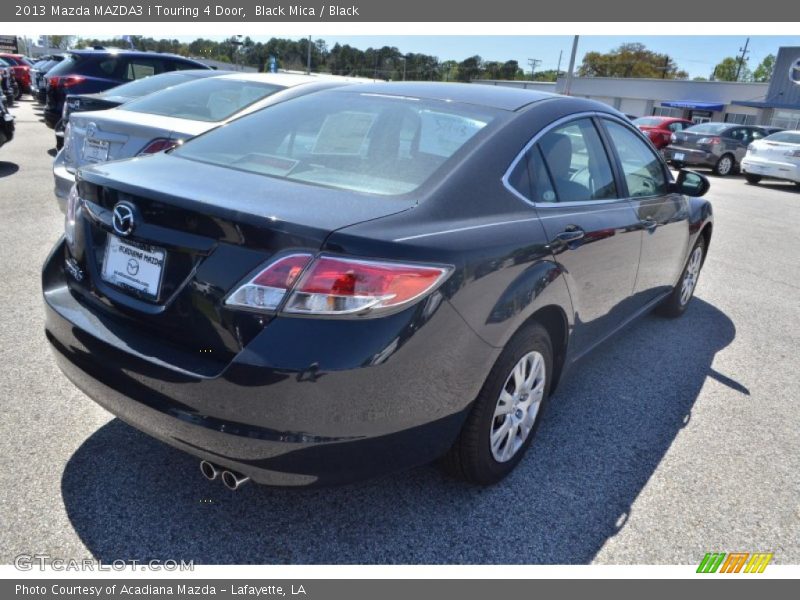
x: 725, y: 148
x: 309, y: 280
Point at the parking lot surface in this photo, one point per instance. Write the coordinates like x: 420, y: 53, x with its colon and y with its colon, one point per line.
x: 673, y: 439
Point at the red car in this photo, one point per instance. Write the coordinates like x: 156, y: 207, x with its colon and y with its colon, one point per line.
x: 21, y: 69
x: 659, y: 129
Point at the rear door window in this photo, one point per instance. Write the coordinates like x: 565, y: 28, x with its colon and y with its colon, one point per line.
x: 139, y: 68
x: 577, y: 163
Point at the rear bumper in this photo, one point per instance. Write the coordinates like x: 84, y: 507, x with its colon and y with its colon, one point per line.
x: 690, y: 156
x: 771, y: 169
x: 63, y: 180
x: 307, y: 402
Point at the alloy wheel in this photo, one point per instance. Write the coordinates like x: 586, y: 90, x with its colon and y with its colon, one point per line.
x: 691, y: 275
x: 725, y: 165
x: 517, y: 406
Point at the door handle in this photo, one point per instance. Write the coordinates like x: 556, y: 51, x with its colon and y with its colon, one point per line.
x: 571, y: 234
x: 649, y: 224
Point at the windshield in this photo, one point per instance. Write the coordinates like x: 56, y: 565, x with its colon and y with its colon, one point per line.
x: 648, y: 121
x: 787, y: 137
x: 148, y: 85
x: 361, y: 142
x: 708, y: 128
x: 214, y: 99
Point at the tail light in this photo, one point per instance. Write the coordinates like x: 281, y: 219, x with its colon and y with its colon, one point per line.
x: 158, y: 145
x: 711, y: 141
x: 266, y: 290
x: 66, y: 81
x: 331, y: 285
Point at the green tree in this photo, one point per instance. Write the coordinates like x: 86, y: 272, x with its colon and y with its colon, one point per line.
x: 728, y: 67
x: 763, y: 72
x: 630, y: 60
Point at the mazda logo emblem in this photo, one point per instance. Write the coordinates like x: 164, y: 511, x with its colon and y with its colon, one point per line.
x: 122, y: 219
x: 794, y: 71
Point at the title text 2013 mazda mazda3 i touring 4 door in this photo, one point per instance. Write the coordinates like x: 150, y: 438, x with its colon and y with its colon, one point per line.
x: 366, y: 279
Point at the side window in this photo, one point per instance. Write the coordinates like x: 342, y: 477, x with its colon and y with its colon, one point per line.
x: 576, y: 163
x: 108, y: 66
x: 757, y: 134
x: 179, y: 65
x: 519, y: 179
x: 139, y: 68
x: 740, y: 135
x: 643, y: 171
x: 676, y: 126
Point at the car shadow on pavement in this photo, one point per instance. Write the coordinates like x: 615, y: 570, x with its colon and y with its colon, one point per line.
x: 8, y: 168
x: 607, y: 429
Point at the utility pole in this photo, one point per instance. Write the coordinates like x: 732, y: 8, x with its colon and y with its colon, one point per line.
x: 568, y: 85
x: 666, y: 66
x: 534, y: 62
x: 308, y: 58
x: 558, y: 69
x: 742, y: 57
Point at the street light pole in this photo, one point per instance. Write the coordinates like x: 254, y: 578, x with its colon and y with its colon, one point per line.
x: 568, y: 84
x: 308, y: 59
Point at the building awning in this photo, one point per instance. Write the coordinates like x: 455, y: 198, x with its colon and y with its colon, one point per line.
x: 767, y: 104
x: 713, y: 106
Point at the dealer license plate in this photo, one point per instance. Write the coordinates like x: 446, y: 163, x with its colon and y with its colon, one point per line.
x: 134, y: 265
x: 95, y: 150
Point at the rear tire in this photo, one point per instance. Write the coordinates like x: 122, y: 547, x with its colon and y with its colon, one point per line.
x: 508, y: 409
x: 725, y: 165
x: 59, y: 143
x: 678, y: 301
x: 752, y: 179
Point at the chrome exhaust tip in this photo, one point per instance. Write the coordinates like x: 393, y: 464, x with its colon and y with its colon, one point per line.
x: 208, y: 470
x: 233, y: 481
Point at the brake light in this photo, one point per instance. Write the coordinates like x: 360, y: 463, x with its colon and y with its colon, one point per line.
x: 336, y: 286
x: 158, y: 145
x: 340, y: 286
x: 266, y: 290
x: 66, y: 81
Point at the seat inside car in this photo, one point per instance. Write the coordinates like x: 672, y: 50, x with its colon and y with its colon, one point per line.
x: 557, y: 150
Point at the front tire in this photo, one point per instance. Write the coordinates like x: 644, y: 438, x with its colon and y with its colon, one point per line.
x: 725, y: 165
x: 507, y: 412
x: 678, y: 301
x: 752, y: 179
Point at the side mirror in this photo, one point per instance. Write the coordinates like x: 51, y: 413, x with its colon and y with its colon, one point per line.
x: 690, y: 183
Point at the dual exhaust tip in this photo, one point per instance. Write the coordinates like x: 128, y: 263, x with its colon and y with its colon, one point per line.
x: 230, y: 479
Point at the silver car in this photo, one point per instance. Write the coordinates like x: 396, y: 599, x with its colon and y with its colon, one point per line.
x: 164, y: 119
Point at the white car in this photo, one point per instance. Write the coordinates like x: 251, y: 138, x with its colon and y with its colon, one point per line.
x: 164, y: 119
x: 776, y: 156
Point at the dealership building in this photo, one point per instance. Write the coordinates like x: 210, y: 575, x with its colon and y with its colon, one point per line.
x: 776, y: 103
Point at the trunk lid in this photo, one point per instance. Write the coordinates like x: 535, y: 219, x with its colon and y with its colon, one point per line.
x: 214, y: 226
x: 776, y: 151
x: 99, y: 136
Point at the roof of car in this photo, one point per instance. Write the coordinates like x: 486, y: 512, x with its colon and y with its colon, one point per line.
x: 286, y: 79
x: 90, y: 51
x: 501, y: 97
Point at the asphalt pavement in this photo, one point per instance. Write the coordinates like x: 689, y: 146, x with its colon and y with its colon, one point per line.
x: 675, y: 438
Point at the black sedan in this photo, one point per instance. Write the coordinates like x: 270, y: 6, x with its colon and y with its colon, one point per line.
x: 368, y: 278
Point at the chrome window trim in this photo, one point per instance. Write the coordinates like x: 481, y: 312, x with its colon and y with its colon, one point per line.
x: 543, y: 132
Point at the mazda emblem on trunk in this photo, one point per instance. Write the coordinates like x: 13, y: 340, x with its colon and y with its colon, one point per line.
x: 122, y: 219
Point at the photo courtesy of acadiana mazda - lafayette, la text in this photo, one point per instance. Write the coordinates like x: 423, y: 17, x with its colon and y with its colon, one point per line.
x: 367, y: 278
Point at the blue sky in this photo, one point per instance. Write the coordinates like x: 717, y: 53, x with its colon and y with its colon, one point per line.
x: 696, y: 54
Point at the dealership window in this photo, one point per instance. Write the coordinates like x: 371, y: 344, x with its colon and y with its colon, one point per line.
x: 667, y: 111
x: 787, y: 119
x: 740, y: 118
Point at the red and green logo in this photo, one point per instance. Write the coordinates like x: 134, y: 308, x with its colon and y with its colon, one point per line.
x: 734, y: 562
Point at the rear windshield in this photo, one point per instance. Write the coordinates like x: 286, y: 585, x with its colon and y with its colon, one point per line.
x: 361, y: 142
x: 708, y: 128
x: 211, y: 100
x: 148, y: 85
x: 648, y: 121
x: 787, y: 137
